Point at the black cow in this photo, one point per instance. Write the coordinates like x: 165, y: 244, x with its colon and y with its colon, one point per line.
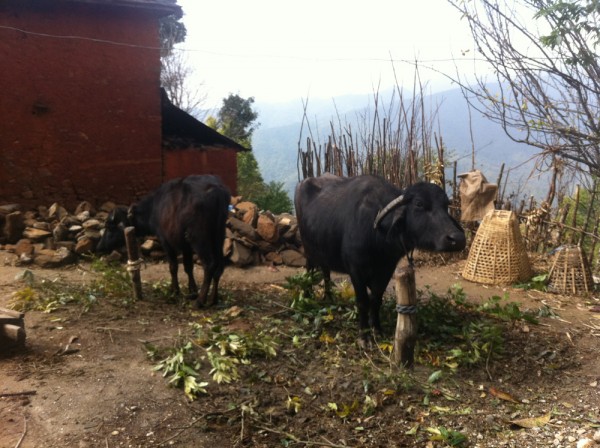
x: 188, y: 215
x: 363, y: 226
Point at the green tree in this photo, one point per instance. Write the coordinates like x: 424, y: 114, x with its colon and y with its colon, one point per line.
x: 250, y: 182
x: 171, y: 31
x: 237, y: 120
x: 275, y: 198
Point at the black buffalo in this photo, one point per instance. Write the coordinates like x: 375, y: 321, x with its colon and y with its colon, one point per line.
x: 188, y: 215
x: 363, y: 226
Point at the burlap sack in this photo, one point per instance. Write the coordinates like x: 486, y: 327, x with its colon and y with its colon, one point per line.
x: 476, y: 196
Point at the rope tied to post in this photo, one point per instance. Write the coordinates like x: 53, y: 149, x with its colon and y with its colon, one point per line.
x: 134, y: 265
x: 406, y: 309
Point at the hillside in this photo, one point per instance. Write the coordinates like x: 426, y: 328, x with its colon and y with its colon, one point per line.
x: 276, y: 141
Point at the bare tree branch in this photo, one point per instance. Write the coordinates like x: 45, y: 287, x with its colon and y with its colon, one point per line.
x: 546, y: 90
x: 175, y: 78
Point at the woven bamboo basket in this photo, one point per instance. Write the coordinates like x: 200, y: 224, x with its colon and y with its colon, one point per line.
x: 570, y: 272
x: 498, y: 254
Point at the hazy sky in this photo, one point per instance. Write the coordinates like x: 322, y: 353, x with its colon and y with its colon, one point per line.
x: 278, y: 50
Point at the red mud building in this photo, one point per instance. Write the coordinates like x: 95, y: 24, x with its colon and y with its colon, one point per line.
x: 81, y: 111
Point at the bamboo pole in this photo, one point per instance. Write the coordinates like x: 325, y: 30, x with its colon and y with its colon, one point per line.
x: 575, y: 211
x: 594, y: 241
x: 406, y: 325
x: 499, y: 195
x: 134, y: 262
x: 561, y: 221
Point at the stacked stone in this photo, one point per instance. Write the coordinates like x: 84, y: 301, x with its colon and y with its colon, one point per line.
x: 51, y: 237
x: 255, y: 237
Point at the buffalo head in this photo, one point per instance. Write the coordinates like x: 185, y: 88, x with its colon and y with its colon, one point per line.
x: 113, y: 236
x: 419, y: 219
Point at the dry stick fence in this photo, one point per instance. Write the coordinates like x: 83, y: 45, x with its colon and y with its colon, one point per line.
x: 392, y: 145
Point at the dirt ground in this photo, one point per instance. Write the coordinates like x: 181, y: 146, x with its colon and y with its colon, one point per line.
x: 85, y: 380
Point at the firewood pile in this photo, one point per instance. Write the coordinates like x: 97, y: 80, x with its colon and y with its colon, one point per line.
x: 51, y: 237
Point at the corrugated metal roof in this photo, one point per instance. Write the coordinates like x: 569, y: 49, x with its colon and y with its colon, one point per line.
x: 169, y: 6
x: 181, y: 130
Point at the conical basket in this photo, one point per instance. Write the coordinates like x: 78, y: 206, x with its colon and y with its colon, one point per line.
x: 498, y: 254
x: 570, y: 272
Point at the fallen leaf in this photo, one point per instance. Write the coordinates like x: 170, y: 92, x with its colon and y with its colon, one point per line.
x: 435, y: 376
x: 412, y: 431
x: 234, y: 311
x: 386, y: 347
x: 326, y: 338
x: 503, y: 395
x: 532, y: 422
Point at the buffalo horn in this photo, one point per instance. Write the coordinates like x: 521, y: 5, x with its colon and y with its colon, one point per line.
x: 387, y: 209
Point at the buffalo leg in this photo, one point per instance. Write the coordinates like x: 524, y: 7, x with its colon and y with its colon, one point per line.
x: 188, y: 267
x: 375, y: 307
x: 173, y: 268
x: 362, y: 303
x: 209, y: 275
x: 327, y: 283
x: 216, y: 276
x: 201, y: 300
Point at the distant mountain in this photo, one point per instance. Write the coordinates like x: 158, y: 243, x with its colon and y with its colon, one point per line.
x: 276, y: 141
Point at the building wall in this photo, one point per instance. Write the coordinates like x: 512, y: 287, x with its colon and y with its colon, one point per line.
x: 184, y: 162
x: 79, y: 117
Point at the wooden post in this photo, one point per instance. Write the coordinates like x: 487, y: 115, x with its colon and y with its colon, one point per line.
x: 12, y: 329
x: 405, y: 338
x: 134, y: 262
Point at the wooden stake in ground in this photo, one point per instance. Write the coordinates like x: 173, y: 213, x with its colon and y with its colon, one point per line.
x: 12, y: 329
x: 405, y: 338
x: 134, y: 262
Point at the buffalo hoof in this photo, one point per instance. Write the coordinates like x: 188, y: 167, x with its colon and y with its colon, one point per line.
x: 365, y: 341
x: 212, y: 301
